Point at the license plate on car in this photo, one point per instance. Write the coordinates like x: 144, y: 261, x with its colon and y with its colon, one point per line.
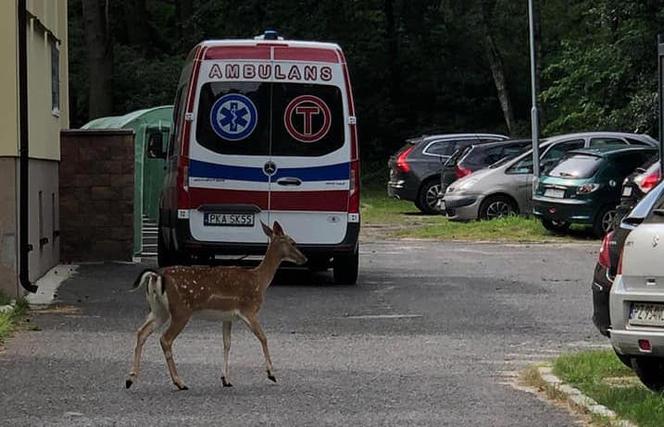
x: 643, y: 314
x: 228, y: 219
x: 627, y: 191
x: 554, y: 192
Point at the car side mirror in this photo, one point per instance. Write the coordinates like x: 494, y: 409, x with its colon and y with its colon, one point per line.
x: 155, y: 148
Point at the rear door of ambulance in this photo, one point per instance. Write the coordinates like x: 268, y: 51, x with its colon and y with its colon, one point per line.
x: 310, y: 144
x: 228, y: 186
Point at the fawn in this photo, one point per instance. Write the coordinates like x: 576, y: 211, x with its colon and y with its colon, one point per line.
x: 175, y: 293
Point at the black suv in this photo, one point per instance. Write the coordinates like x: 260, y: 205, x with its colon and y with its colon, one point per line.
x: 415, y: 168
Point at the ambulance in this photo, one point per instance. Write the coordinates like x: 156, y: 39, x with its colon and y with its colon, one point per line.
x: 264, y: 130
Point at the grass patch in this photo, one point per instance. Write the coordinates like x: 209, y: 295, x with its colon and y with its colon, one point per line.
x: 601, y: 376
x: 403, y: 219
x: 9, y: 320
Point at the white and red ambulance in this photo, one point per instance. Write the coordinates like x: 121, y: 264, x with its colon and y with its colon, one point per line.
x: 264, y: 130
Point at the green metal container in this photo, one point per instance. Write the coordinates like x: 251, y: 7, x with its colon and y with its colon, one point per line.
x: 149, y: 173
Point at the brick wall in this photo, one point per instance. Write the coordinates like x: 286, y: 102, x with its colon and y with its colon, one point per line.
x: 97, y: 195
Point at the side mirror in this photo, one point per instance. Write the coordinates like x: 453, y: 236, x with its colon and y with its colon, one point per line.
x: 155, y: 148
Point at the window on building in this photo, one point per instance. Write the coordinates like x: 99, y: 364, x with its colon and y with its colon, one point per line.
x: 55, y: 78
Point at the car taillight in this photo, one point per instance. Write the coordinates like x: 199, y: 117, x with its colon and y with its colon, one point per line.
x: 649, y: 181
x: 604, y: 258
x: 620, y: 262
x: 354, y: 199
x: 402, y: 163
x: 460, y: 171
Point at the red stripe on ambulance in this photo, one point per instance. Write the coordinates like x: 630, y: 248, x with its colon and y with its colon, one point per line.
x: 238, y: 52
x: 286, y: 53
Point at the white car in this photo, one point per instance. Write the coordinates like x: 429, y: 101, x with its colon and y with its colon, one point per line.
x: 637, y: 301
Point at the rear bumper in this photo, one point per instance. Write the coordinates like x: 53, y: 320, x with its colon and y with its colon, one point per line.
x: 625, y: 338
x: 179, y: 237
x: 576, y: 211
x: 403, y: 187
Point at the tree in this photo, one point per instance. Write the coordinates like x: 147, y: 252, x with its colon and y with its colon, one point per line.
x: 99, y: 47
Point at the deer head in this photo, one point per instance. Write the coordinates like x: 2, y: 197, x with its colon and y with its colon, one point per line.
x: 283, y: 244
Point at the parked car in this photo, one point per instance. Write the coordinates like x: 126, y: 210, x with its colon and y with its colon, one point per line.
x: 636, y: 301
x: 609, y: 256
x: 637, y: 185
x: 243, y: 153
x: 478, y: 156
x: 506, y: 188
x: 584, y: 187
x: 415, y: 168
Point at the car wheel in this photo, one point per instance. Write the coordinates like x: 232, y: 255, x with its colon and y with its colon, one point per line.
x: 555, y: 226
x: 164, y: 255
x: 626, y: 360
x: 650, y: 371
x: 497, y: 207
x: 427, y: 200
x: 346, y: 268
x: 604, y: 221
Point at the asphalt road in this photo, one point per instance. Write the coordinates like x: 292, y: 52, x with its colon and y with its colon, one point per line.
x: 432, y: 335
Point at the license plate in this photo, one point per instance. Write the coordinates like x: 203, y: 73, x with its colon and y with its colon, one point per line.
x: 553, y: 192
x: 228, y: 219
x: 646, y: 314
x: 627, y: 191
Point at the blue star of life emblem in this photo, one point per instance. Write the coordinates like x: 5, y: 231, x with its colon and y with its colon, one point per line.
x: 233, y: 117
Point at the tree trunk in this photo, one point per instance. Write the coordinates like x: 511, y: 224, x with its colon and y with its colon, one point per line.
x: 392, y: 50
x: 136, y: 21
x: 497, y: 67
x: 100, y: 57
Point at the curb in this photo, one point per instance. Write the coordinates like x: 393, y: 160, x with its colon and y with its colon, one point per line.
x: 577, y: 399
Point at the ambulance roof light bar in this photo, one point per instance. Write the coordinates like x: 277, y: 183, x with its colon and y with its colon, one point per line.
x: 269, y: 34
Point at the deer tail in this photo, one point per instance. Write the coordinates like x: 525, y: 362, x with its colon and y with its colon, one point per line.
x: 145, y: 278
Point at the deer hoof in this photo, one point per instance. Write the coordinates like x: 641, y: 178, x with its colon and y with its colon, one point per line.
x: 271, y: 378
x: 226, y: 383
x: 128, y: 383
x: 182, y: 387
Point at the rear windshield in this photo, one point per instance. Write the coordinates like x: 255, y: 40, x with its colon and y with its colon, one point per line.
x: 281, y: 119
x: 481, y: 157
x: 576, y: 166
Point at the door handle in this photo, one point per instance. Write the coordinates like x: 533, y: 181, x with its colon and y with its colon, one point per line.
x: 289, y: 181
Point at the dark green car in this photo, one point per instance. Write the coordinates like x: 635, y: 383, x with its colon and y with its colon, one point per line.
x: 584, y: 187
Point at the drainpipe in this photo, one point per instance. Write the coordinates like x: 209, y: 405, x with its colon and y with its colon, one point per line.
x: 24, y: 246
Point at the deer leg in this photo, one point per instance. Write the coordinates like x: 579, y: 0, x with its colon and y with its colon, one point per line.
x: 151, y: 323
x: 225, y: 379
x: 173, y: 330
x: 255, y: 327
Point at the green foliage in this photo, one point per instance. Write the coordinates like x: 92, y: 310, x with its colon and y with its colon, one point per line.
x: 417, y: 66
x: 601, y: 376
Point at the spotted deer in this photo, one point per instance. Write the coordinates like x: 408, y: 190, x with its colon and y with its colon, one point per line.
x: 174, y: 294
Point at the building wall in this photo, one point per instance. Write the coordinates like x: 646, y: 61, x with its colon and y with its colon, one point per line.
x: 97, y: 195
x: 8, y: 80
x: 46, y: 28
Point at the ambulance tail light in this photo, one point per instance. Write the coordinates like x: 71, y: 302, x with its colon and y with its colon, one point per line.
x: 402, y: 159
x: 354, y: 197
x: 183, y: 183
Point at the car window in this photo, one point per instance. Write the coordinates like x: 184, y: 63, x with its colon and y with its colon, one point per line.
x: 576, y: 166
x: 307, y: 119
x: 523, y: 166
x: 654, y: 198
x: 557, y: 151
x: 605, y: 142
x: 626, y: 163
x: 448, y: 147
x: 633, y: 141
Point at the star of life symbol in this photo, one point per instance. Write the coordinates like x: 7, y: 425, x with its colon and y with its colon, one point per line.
x: 233, y: 117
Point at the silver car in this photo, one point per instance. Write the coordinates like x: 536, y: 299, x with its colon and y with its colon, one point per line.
x: 505, y: 187
x: 636, y: 301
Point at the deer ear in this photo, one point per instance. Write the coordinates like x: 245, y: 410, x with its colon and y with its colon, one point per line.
x: 269, y: 233
x: 277, y: 229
